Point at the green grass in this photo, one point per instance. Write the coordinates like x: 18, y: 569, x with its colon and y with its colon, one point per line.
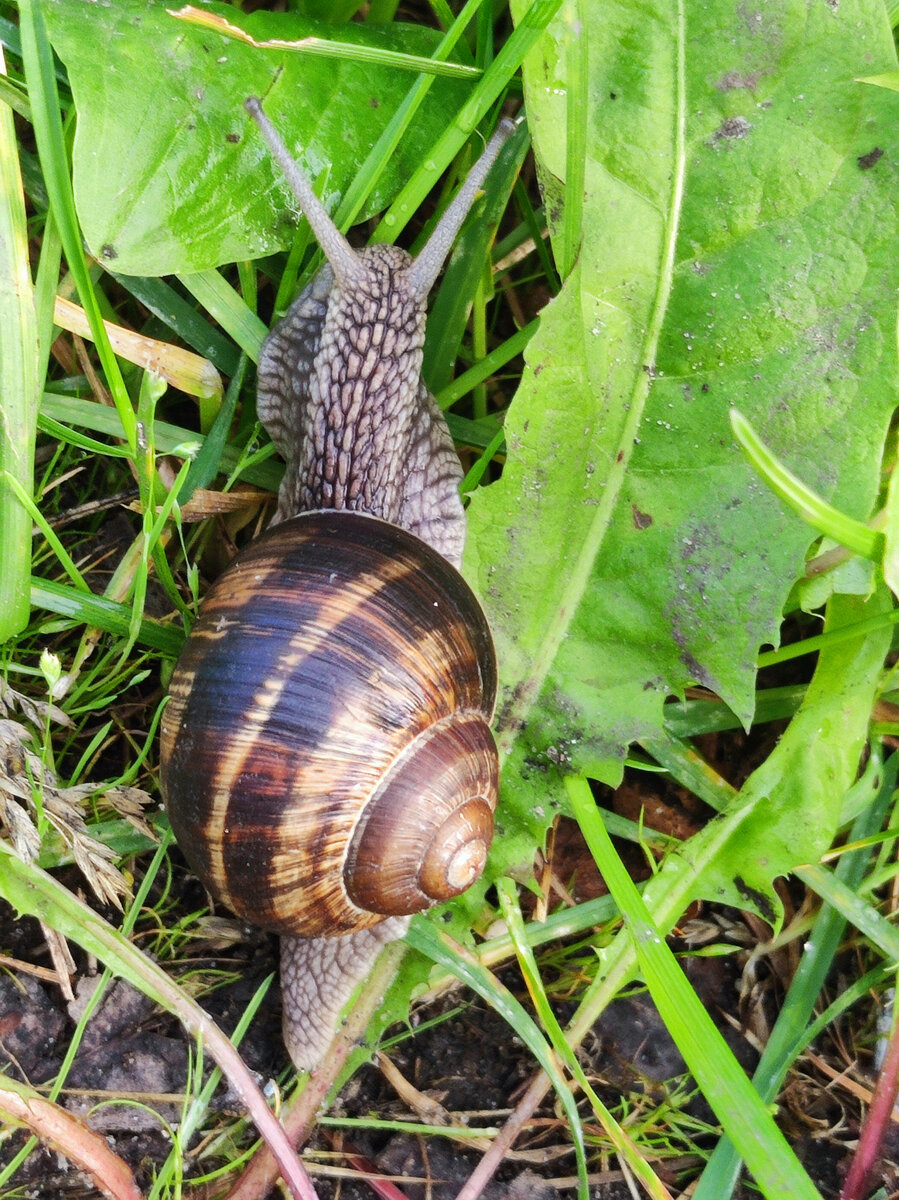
x: 669, y: 471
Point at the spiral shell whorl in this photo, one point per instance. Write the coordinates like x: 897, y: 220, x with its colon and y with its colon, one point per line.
x: 449, y: 773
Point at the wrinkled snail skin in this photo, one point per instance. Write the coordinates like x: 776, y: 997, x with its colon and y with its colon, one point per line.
x: 341, y: 674
x: 318, y: 976
x: 342, y: 452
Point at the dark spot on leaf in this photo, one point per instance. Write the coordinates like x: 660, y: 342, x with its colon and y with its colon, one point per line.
x: 694, y: 666
x: 108, y: 252
x: 698, y: 673
x: 535, y: 764
x: 642, y: 520
x: 505, y: 718
x: 232, y: 137
x: 867, y: 161
x: 757, y: 898
x: 613, y: 95
x: 374, y: 102
x: 620, y: 456
x: 731, y: 129
x: 704, y: 388
x: 734, y: 80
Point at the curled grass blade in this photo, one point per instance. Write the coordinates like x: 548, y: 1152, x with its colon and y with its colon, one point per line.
x: 811, y: 507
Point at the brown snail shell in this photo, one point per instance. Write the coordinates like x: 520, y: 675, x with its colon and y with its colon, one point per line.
x: 326, y: 753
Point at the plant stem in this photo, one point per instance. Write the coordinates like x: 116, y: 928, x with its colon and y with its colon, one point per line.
x: 876, y: 1123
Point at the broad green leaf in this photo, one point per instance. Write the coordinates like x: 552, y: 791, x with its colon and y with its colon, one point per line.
x: 738, y: 250
x: 789, y: 808
x: 169, y: 174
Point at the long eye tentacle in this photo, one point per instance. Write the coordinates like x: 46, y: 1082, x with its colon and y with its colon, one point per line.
x: 338, y: 251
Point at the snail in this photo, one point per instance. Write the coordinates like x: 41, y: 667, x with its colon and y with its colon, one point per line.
x: 326, y: 756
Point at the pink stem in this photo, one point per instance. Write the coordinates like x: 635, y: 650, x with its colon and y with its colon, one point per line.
x: 875, y: 1125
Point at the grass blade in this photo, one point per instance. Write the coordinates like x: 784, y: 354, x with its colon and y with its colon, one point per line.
x: 713, y: 1066
x: 528, y: 963
x: 37, y: 58
x: 440, y: 949
x: 786, y: 1041
x: 810, y: 506
x: 495, y: 80
x: 19, y: 394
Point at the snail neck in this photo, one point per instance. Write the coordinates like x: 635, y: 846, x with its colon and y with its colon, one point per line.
x: 365, y: 395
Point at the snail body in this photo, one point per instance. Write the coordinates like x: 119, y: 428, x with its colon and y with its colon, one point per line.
x: 326, y: 756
